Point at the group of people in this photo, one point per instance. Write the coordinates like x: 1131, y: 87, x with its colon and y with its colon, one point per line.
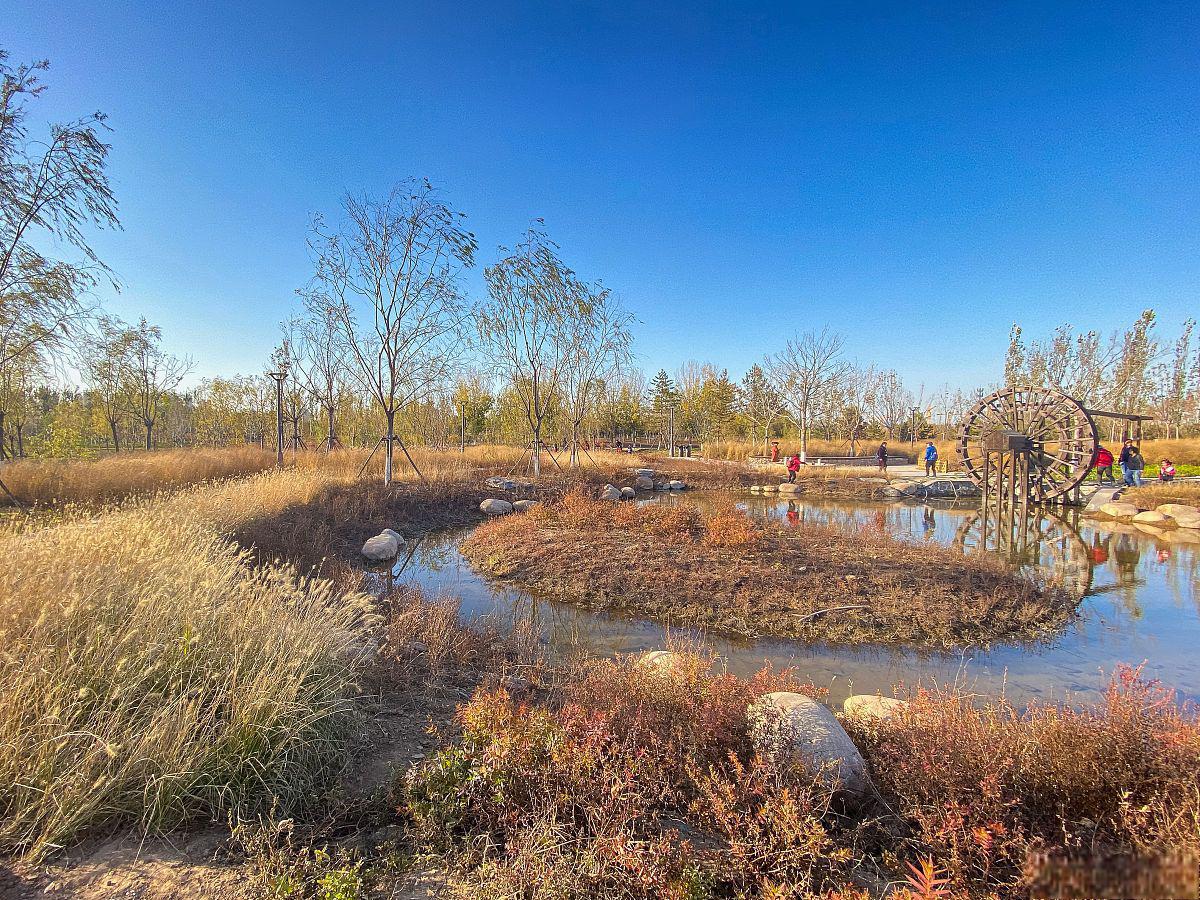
x: 1132, y: 465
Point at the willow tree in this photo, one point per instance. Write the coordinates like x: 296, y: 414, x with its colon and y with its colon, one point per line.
x: 526, y: 328
x: 150, y: 375
x: 389, y: 277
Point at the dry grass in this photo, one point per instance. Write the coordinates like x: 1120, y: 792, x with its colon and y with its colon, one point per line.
x: 726, y: 572
x: 51, y: 482
x: 151, y: 673
x: 1154, y: 495
x: 981, y: 784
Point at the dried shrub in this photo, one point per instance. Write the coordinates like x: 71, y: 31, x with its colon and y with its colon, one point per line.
x: 732, y: 528
x: 982, y: 786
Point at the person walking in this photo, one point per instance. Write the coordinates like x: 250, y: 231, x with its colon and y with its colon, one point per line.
x: 793, y: 466
x: 1104, y: 464
x: 1133, y: 465
x: 1166, y: 471
x: 881, y: 456
x: 931, y: 458
x: 1127, y: 450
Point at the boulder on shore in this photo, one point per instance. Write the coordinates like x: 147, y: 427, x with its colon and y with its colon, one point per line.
x: 494, y: 507
x: 870, y: 708
x: 523, y: 505
x: 644, y: 483
x: 788, y: 488
x: 382, y: 546
x: 676, y: 485
x: 1152, y: 517
x: 644, y: 473
x: 1119, y: 509
x: 1174, y: 510
x: 628, y: 493
x: 610, y: 492
x: 500, y: 482
x: 788, y: 727
x: 1187, y: 521
x: 659, y: 660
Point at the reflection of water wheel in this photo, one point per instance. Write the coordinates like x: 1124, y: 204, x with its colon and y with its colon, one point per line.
x: 1051, y: 545
x: 1054, y: 429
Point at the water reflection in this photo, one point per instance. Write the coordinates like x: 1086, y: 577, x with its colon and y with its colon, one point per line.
x: 1138, y: 589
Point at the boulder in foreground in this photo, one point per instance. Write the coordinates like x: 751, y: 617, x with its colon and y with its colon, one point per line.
x: 384, y: 545
x: 494, y: 507
x: 794, y: 728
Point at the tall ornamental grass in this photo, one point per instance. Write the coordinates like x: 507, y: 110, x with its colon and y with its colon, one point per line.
x: 150, y: 673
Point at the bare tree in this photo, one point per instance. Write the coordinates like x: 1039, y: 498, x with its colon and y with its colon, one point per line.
x: 53, y: 189
x: 105, y: 370
x: 320, y: 361
x: 523, y: 327
x: 150, y: 375
x: 598, y: 344
x: 389, y: 277
x: 805, y: 371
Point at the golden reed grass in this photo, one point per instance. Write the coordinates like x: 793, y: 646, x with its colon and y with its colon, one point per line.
x: 150, y: 672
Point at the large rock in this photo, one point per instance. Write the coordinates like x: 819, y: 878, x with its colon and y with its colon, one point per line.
x: 628, y: 493
x: 788, y: 488
x: 869, y: 708
x: 494, y: 507
x: 676, y: 485
x: 1119, y: 509
x: 1174, y: 510
x: 660, y: 660
x: 1152, y: 517
x: 382, y: 546
x: 644, y: 483
x: 523, y: 505
x: 644, y: 473
x: 661, y: 486
x: 499, y: 481
x: 610, y: 492
x: 787, y: 727
x: 1186, y: 521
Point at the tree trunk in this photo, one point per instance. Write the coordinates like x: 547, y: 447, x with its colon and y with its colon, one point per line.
x: 804, y: 437
x: 20, y: 441
x: 112, y: 424
x: 574, y: 444
x: 537, y: 450
x: 388, y: 441
x: 330, y: 438
x: 149, y: 430
x: 3, y: 453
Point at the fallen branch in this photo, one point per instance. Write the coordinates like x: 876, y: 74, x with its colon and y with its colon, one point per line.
x: 829, y: 609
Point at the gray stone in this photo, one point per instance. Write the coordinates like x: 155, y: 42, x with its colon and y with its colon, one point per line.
x: 610, y: 492
x: 628, y: 493
x: 1186, y: 521
x: 498, y: 481
x: 381, y: 547
x: 494, y: 507
x: 1174, y: 510
x: 661, y: 486
x: 871, y: 707
x: 644, y: 473
x: 793, y: 728
x: 788, y: 488
x: 660, y: 660
x: 644, y: 483
x: 676, y: 485
x: 523, y: 505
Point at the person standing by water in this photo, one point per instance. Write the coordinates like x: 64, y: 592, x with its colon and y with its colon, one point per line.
x: 793, y: 466
x: 1104, y: 464
x: 881, y: 456
x: 931, y: 458
x: 1132, y: 465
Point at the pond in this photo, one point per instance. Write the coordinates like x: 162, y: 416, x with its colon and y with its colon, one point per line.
x: 1139, y: 604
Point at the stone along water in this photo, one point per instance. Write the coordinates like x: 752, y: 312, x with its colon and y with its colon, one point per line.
x: 1140, y: 603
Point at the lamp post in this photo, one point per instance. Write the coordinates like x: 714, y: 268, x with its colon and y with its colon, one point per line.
x: 912, y: 429
x: 279, y: 377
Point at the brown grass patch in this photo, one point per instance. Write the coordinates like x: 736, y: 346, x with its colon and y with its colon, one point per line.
x: 1154, y: 495
x: 726, y: 572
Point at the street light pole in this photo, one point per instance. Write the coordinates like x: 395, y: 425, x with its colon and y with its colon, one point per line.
x: 279, y: 377
x: 912, y: 429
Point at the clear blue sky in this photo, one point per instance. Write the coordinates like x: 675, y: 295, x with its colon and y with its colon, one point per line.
x: 916, y: 175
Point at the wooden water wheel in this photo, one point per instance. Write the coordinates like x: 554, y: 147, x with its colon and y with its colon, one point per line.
x: 1050, y: 431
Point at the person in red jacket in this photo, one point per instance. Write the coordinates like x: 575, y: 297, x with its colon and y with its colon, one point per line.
x: 1104, y: 464
x: 793, y: 466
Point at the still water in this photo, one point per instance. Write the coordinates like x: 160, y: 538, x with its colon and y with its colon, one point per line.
x: 1139, y: 603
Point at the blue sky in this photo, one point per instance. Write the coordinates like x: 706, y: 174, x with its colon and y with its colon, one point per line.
x: 915, y: 175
